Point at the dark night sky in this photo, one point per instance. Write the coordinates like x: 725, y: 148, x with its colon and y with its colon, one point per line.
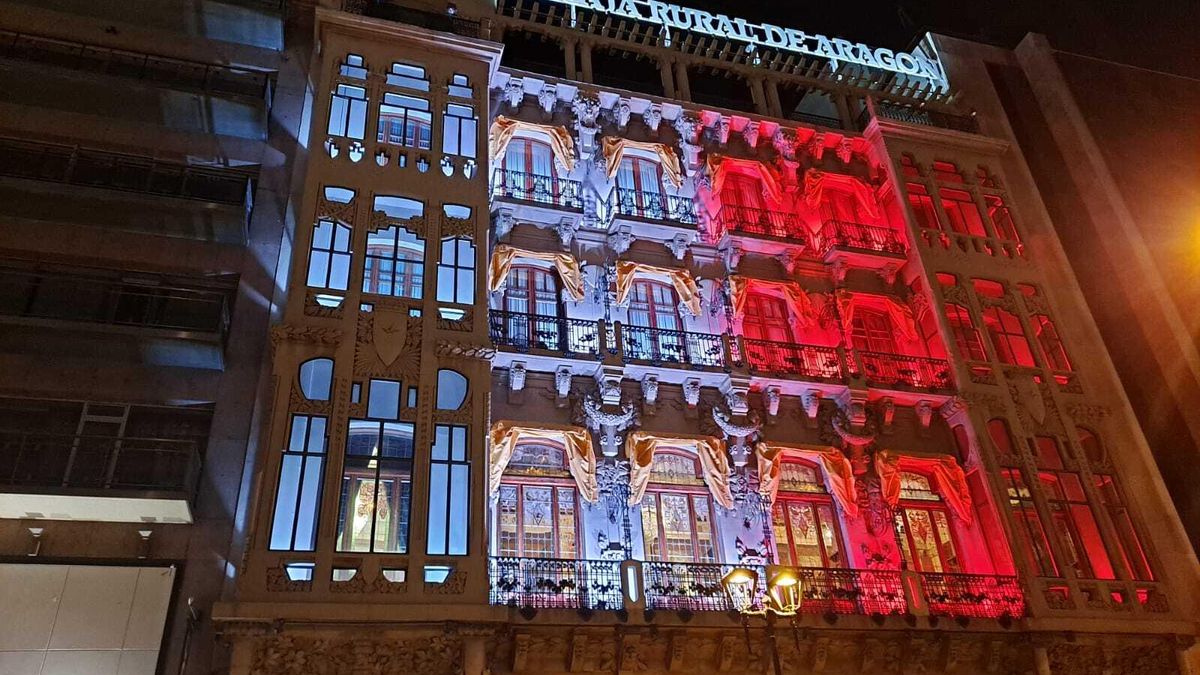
x: 1157, y: 34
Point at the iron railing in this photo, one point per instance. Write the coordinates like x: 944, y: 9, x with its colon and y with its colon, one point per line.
x: 112, y: 171
x: 211, y: 78
x: 812, y: 361
x: 533, y: 187
x: 544, y: 583
x: 749, y: 220
x: 984, y: 596
x: 860, y: 237
x: 65, y: 297
x: 694, y: 587
x: 98, y: 462
x: 921, y: 372
x: 658, y: 345
x: 846, y: 591
x: 548, y: 333
x: 924, y: 117
x: 654, y: 206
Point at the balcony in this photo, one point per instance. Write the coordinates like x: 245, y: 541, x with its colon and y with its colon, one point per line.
x: 758, y: 222
x: 786, y: 358
x: 980, y: 596
x: 659, y: 346
x: 537, y: 188
x: 556, y: 584
x: 917, y: 372
x: 654, y: 206
x: 918, y: 116
x: 534, y: 332
x: 857, y: 237
x: 98, y: 478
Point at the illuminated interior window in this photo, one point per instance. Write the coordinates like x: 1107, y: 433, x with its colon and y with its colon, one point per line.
x: 531, y: 305
x: 803, y: 519
x: 639, y: 188
x: 1001, y: 217
x: 677, y: 512
x: 348, y: 112
x: 872, y: 331
x: 908, y: 166
x: 1028, y: 524
x: 449, y: 491
x: 298, y: 498
x: 1002, y: 438
x: 395, y: 263
x: 742, y: 192
x: 923, y: 208
x: 765, y: 317
x: 923, y: 527
x: 456, y: 271
x: 1132, y: 549
x: 538, y: 510
x: 946, y: 279
x: 947, y: 172
x: 1049, y: 341
x: 1008, y: 337
x: 1076, y: 524
x: 529, y: 170
x: 961, y: 212
x: 405, y: 121
x: 376, y: 488
x: 966, y: 336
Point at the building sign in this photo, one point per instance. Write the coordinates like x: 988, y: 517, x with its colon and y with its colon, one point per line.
x: 917, y: 64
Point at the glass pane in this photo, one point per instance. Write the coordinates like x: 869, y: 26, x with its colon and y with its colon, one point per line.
x: 566, y: 523
x: 924, y: 544
x: 459, y: 501
x: 829, y: 536
x: 704, y: 529
x: 677, y: 528
x: 285, y: 503
x: 507, y: 521
x: 949, y: 555
x: 780, y: 528
x: 805, y: 535
x: 537, y: 522
x: 650, y: 528
x: 438, y: 487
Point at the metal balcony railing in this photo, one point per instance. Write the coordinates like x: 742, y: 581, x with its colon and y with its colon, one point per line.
x: 786, y: 358
x: 544, y: 583
x: 921, y: 372
x: 98, y: 462
x: 654, y: 206
x: 858, y: 236
x: 67, y: 297
x: 658, y: 345
x: 749, y: 220
x: 919, y: 116
x: 547, y: 333
x: 532, y: 187
x: 692, y: 586
x: 844, y: 591
x: 983, y: 596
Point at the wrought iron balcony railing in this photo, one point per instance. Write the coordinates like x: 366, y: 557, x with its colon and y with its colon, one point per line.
x: 983, y: 596
x: 539, y: 188
x: 844, y: 591
x: 786, y: 358
x: 857, y: 236
x: 548, y: 333
x: 657, y: 345
x: 692, y: 586
x: 98, y: 462
x: 921, y: 372
x: 654, y: 206
x: 749, y: 220
x: 547, y: 583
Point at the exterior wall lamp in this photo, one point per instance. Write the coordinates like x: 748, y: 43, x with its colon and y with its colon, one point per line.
x: 783, y: 596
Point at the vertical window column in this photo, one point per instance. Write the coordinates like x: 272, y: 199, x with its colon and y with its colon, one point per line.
x: 449, y: 491
x: 298, y: 499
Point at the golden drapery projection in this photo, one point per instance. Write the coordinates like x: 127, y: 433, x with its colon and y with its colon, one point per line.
x: 948, y: 477
x: 506, y: 435
x: 790, y: 292
x: 839, y: 475
x: 817, y: 183
x: 900, y: 315
x: 685, y: 286
x: 640, y: 447
x: 504, y: 128
x: 567, y: 266
x: 720, y: 166
x: 614, y: 149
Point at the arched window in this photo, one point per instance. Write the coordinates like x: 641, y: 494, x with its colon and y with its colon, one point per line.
x: 806, y: 529
x: 966, y: 336
x: 1008, y: 337
x: 923, y: 527
x: 639, y: 188
x: 529, y: 167
x: 395, y: 263
x: 532, y: 309
x: 677, y: 511
x: 655, y: 329
x: 872, y: 331
x: 765, y: 317
x: 538, y: 509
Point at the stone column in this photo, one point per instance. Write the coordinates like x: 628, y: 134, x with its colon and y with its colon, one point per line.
x: 474, y: 654
x: 585, y: 60
x: 569, y: 47
x: 682, y: 91
x: 774, y: 107
x: 668, y: 79
x: 759, y: 96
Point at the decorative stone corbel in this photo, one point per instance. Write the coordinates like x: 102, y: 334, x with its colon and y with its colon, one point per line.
x: 586, y: 107
x: 650, y: 390
x: 784, y: 141
x: 888, y: 272
x: 771, y: 398
x: 954, y: 411
x: 688, y: 126
x: 736, y: 390
x: 750, y: 133
x: 691, y: 391
x: 853, y: 403
x: 794, y: 259
x: 621, y: 240
x: 721, y: 126
x: 547, y: 98
x: 514, y: 92
x: 845, y: 150
x: 562, y: 382
x: 652, y: 116
x: 566, y: 229
x: 739, y: 435
x: 811, y: 402
x: 621, y: 113
x: 516, y: 376
x: 503, y: 222
x: 732, y: 254
x: 679, y: 244
x: 608, y: 424
x: 924, y: 410
x: 838, y: 271
x: 887, y: 413
x: 816, y: 146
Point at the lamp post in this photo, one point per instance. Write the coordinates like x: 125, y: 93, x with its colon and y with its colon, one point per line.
x: 782, y: 598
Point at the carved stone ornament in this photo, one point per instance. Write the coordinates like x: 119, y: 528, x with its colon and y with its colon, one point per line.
x: 811, y: 402
x: 514, y: 91
x: 652, y: 116
x: 621, y: 240
x: 740, y: 434
x: 433, y: 654
x: 650, y: 388
x: 464, y: 350
x: 562, y: 381
x: 516, y: 376
x: 679, y: 245
x: 924, y: 410
x: 845, y: 150
x: 389, y: 332
x: 750, y: 133
x: 503, y: 222
x: 784, y: 141
x: 771, y: 398
x: 691, y: 391
x: 547, y: 98
x: 279, y: 581
x: 621, y: 113
x: 286, y: 332
x: 455, y: 584
x: 816, y: 146
x: 608, y: 424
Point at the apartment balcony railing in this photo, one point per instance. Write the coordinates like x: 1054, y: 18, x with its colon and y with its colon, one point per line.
x: 786, y: 358
x: 982, y: 596
x: 859, y: 237
x: 920, y: 372
x: 654, y: 206
x: 763, y: 222
x: 532, y: 187
x: 657, y: 345
x: 844, y: 591
x: 694, y: 587
x: 45, y: 460
x: 546, y: 583
x: 64, y: 297
x: 918, y: 116
x: 547, y: 333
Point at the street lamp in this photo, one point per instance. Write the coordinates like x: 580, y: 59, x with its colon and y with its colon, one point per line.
x: 783, y: 597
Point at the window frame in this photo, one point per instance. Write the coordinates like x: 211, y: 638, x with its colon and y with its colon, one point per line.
x: 304, y: 457
x: 401, y: 467
x: 755, y: 320
x: 655, y: 490
x: 1000, y: 324
x: 928, y: 506
x: 814, y: 501
x: 556, y: 483
x: 413, y: 285
x: 456, y: 268
x: 966, y: 335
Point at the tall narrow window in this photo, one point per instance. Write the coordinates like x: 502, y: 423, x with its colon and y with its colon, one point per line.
x: 766, y: 318
x: 329, y: 257
x: 532, y: 309
x: 872, y: 331
x: 677, y: 513
x: 1008, y: 337
x: 806, y: 529
x: 1028, y: 524
x: 923, y: 527
x: 962, y: 212
x: 655, y: 329
x: 456, y: 271
x: 1132, y: 549
x: 639, y: 188
x: 449, y: 491
x: 348, y: 112
x: 405, y: 120
x: 1071, y: 512
x: 1001, y: 217
x: 298, y: 499
x: 377, y: 479
x: 537, y: 513
x: 742, y: 191
x: 1049, y: 341
x: 395, y: 263
x: 922, y: 206
x: 1001, y: 438
x: 459, y: 130
x: 529, y: 171
x: 966, y: 336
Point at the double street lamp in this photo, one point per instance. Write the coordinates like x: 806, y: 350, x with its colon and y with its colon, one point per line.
x: 783, y: 596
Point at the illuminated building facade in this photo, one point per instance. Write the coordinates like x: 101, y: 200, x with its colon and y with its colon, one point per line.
x: 568, y: 338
